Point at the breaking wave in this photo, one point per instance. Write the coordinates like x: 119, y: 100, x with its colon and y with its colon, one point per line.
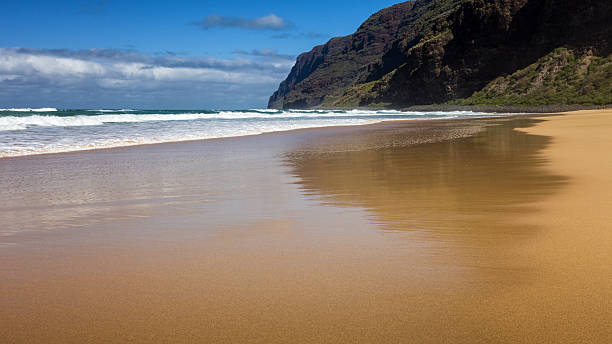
x: 25, y: 133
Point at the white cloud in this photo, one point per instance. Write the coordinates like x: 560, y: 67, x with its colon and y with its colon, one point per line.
x: 12, y: 64
x: 89, y: 73
x: 269, y: 22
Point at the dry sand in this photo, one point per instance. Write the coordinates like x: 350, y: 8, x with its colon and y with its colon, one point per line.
x: 389, y: 233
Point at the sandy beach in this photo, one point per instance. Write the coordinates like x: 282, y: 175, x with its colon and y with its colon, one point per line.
x: 466, y: 231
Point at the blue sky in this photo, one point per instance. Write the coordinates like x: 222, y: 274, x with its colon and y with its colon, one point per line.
x: 160, y: 54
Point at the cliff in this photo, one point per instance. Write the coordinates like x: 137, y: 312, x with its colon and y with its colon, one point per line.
x: 468, y: 52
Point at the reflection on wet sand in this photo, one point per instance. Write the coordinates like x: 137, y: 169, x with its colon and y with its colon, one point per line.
x: 398, y: 232
x: 449, y: 189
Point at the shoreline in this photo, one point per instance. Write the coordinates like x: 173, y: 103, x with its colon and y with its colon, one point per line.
x: 382, y: 122
x: 494, y: 233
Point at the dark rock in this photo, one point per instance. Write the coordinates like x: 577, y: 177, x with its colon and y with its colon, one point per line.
x: 435, y: 51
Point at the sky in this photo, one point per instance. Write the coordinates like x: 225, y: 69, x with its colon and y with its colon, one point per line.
x: 161, y: 54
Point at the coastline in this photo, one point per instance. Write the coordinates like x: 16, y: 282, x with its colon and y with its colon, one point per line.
x: 381, y: 122
x: 451, y: 230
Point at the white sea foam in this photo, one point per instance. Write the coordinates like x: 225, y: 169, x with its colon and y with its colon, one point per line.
x: 177, y: 135
x: 23, y: 122
x: 25, y: 134
x: 16, y: 123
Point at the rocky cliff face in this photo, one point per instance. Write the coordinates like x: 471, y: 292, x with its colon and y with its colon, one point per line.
x: 343, y: 61
x: 435, y: 51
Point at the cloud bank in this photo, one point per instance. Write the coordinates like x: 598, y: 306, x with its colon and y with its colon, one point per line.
x: 269, y: 22
x: 126, y: 78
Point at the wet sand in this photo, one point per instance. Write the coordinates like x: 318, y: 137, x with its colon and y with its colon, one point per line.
x: 439, y: 231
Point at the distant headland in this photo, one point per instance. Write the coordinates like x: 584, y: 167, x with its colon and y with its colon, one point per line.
x: 511, y: 54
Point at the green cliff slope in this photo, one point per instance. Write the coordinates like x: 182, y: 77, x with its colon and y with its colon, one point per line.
x: 561, y: 77
x: 466, y: 52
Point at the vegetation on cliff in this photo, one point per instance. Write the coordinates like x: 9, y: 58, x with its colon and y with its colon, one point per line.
x: 466, y: 52
x: 561, y: 77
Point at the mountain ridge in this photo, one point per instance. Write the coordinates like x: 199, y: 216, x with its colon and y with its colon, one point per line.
x: 447, y: 51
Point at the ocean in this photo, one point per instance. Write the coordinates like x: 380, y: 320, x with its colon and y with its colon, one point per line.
x: 27, y: 131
